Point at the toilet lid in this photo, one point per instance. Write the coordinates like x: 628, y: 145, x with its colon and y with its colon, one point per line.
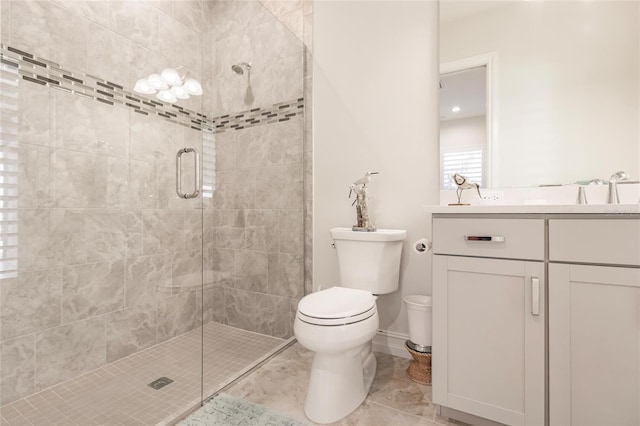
x: 337, y: 302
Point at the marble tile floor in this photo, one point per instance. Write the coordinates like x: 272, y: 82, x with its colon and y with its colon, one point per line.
x: 281, y: 386
x: 117, y: 393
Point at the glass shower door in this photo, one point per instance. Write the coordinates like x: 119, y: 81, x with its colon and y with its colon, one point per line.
x: 100, y: 258
x: 254, y: 218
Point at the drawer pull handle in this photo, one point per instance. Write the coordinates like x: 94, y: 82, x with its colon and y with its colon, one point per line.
x: 535, y: 296
x: 490, y: 238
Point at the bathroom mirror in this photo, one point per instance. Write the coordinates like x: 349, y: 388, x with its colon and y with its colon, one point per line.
x: 464, y: 133
x: 562, y: 90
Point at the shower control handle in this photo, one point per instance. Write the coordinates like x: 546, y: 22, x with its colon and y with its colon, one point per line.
x: 196, y: 167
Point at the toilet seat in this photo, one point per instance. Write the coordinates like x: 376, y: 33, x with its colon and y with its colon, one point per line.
x: 337, y: 306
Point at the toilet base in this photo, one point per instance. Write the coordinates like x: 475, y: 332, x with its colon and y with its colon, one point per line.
x: 339, y: 383
x: 419, y: 370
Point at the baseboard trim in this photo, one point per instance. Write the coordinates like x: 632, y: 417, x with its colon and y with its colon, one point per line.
x: 464, y: 417
x: 391, y: 343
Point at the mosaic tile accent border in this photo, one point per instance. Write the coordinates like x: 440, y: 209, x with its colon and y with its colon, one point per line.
x: 41, y: 71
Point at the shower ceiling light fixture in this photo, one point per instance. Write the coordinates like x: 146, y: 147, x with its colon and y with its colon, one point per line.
x: 171, y: 76
x: 169, y: 85
x: 180, y: 92
x: 193, y: 87
x: 143, y: 86
x: 156, y: 82
x: 166, y: 96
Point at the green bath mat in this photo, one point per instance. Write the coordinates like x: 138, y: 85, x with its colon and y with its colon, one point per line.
x: 225, y: 410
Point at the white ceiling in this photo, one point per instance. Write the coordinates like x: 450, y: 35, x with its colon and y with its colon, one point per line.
x: 450, y: 10
x: 466, y: 89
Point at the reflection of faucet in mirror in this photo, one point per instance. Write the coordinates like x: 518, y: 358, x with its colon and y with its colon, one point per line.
x: 612, y: 192
x: 596, y: 181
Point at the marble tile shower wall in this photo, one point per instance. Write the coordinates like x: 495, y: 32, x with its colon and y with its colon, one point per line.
x: 250, y: 33
x: 297, y: 16
x: 109, y: 258
x: 117, y: 40
x: 257, y: 224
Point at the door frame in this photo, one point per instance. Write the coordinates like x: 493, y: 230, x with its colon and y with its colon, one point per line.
x: 490, y: 61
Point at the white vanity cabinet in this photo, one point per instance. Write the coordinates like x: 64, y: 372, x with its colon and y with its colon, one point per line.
x: 498, y: 353
x: 594, y: 321
x: 489, y: 317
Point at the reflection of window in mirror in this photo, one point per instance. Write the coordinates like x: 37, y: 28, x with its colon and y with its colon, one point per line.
x: 463, y: 126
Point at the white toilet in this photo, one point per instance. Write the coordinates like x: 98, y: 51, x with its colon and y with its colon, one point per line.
x: 339, y: 323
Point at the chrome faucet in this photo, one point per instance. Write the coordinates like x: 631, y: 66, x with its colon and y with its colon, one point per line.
x: 359, y: 187
x: 612, y: 191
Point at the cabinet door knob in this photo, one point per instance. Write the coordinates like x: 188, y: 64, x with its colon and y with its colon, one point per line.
x: 535, y: 296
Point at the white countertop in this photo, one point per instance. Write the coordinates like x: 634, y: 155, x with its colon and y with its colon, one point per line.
x: 537, y: 208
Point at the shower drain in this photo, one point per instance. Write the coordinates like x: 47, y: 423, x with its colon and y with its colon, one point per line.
x: 160, y: 383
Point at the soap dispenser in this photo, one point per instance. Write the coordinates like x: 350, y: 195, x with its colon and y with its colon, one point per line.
x: 582, y: 196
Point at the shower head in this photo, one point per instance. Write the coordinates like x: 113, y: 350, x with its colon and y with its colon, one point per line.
x: 240, y: 68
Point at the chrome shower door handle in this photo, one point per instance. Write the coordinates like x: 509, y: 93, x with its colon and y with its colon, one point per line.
x: 196, y: 167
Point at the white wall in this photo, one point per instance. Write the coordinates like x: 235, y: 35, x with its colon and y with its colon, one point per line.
x: 375, y: 108
x: 465, y: 133
x: 567, y: 75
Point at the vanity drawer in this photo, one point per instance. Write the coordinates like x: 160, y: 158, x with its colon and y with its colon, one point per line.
x: 600, y: 241
x: 516, y: 238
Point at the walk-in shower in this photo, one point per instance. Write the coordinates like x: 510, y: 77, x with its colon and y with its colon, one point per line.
x: 151, y: 248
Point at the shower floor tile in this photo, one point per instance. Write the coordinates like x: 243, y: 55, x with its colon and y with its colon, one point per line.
x: 118, y: 393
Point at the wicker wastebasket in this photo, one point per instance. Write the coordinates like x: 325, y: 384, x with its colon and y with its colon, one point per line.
x: 419, y: 370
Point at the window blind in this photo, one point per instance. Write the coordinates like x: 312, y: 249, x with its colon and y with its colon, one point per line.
x: 466, y: 163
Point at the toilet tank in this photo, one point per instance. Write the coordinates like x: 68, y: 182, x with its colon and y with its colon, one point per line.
x: 369, y: 260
